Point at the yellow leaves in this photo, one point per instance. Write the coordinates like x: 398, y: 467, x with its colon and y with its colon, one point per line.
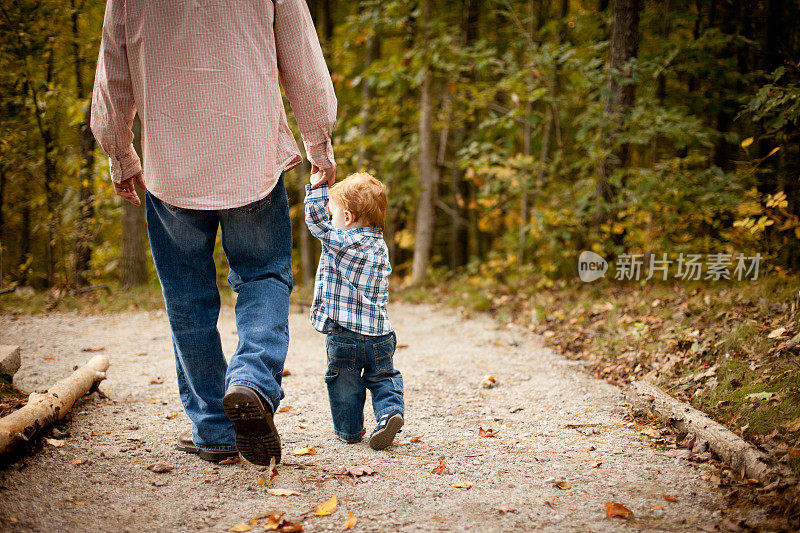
x: 305, y: 451
x: 273, y: 521
x: 404, y: 239
x: 747, y: 142
x: 463, y: 485
x: 351, y: 521
x: 260, y: 481
x: 241, y: 527
x: 777, y: 200
x: 563, y: 485
x: 283, y: 492
x: 327, y: 508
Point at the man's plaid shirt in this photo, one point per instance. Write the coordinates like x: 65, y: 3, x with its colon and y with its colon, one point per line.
x: 351, y: 287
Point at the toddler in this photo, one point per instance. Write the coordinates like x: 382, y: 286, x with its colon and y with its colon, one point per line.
x: 350, y: 295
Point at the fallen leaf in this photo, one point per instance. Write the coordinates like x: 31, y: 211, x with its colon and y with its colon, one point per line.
x: 488, y: 382
x: 357, y: 471
x: 273, y: 521
x: 463, y: 485
x: 617, y: 510
x: 173, y: 415
x: 679, y: 453
x: 286, y: 372
x: 440, y: 469
x: 415, y: 439
x: 98, y: 349
x: 504, y: 510
x: 58, y: 443
x: 652, y: 433
x: 253, y: 522
x: 158, y: 381
x: 486, y: 432
x: 550, y: 504
x: 77, y: 502
x: 230, y: 460
x: 290, y: 527
x: 401, y: 346
x: 283, y: 492
x: 48, y: 357
x: 77, y: 461
x: 273, y: 470
x: 351, y: 521
x: 160, y: 468
x: 305, y: 451
x: 260, y: 481
x: 327, y: 508
x: 285, y: 409
x: 775, y: 333
x: 670, y: 498
x: 656, y: 507
x: 760, y: 396
x: 241, y: 527
x: 563, y: 485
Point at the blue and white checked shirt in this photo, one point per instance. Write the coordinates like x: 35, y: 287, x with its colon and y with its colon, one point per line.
x: 351, y: 287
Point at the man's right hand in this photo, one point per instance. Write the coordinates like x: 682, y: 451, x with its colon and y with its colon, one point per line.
x: 328, y: 175
x: 127, y: 189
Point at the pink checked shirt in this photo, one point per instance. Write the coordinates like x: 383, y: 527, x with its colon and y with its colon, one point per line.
x: 203, y: 76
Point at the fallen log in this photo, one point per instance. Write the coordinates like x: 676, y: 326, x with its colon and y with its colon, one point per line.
x: 741, y: 456
x: 42, y: 410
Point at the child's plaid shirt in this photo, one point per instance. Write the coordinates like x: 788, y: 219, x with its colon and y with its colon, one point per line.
x: 351, y: 287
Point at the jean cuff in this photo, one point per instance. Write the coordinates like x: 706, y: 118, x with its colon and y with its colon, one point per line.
x: 270, y: 404
x: 394, y: 409
x: 348, y: 436
x: 217, y: 448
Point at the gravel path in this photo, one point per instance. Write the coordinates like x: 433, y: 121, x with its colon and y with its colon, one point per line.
x: 601, y: 457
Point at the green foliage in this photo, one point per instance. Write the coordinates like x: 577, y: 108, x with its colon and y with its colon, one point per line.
x: 689, y: 183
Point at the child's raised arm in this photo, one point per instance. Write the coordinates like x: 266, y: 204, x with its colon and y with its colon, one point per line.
x: 318, y: 221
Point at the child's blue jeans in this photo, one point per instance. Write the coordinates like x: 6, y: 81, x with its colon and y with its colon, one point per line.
x: 356, y: 363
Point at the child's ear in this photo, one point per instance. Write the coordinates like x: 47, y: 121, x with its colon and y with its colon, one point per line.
x: 348, y: 216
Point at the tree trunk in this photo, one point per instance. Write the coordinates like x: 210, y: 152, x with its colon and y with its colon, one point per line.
x: 460, y: 190
x: 624, y: 47
x: 42, y: 410
x: 427, y: 168
x: 371, y: 53
x: 2, y: 219
x: 25, y: 242
x: 83, y: 230
x: 133, y: 248
x: 308, y: 256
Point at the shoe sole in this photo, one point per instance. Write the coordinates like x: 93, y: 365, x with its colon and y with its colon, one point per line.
x: 206, y: 455
x: 385, y: 437
x: 256, y: 436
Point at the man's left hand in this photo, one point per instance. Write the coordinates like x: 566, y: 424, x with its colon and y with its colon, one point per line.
x: 127, y: 191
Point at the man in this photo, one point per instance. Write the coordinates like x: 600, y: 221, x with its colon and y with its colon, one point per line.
x: 203, y: 77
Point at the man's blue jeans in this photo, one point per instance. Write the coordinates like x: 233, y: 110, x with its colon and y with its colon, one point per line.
x: 257, y: 240
x: 356, y: 363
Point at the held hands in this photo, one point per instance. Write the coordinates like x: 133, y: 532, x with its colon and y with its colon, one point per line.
x: 320, y: 176
x: 127, y: 191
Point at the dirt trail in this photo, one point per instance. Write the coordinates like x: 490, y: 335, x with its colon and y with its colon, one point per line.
x: 554, y: 423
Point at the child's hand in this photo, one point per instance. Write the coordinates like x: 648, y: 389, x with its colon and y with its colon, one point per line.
x: 317, y: 179
x: 320, y: 176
